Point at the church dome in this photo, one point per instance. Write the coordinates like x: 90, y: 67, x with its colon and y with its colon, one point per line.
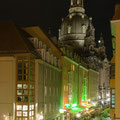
x: 74, y: 26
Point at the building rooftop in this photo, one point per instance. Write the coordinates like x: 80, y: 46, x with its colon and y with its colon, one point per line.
x: 14, y: 40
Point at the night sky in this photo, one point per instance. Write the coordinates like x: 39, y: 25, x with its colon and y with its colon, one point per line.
x: 48, y: 13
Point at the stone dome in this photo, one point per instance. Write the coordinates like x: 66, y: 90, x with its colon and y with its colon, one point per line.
x: 73, y: 28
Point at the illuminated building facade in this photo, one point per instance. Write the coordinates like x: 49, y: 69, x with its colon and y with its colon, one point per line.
x: 114, y: 83
x: 30, y: 74
x: 76, y: 35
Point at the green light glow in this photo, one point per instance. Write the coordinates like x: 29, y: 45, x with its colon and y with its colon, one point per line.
x: 67, y: 105
x: 77, y: 109
x: 84, y: 93
x: 74, y: 105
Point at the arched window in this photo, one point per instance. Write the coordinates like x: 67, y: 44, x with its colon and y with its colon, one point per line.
x: 69, y: 29
x: 84, y: 28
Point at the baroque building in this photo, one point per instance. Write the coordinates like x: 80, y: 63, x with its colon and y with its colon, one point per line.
x: 76, y: 35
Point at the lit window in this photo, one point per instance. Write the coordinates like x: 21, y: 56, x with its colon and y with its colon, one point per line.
x: 19, y: 92
x: 84, y: 28
x: 19, y: 107
x: 25, y: 107
x: 19, y: 86
x: 113, y: 98
x: 45, y: 91
x: 45, y: 108
x: 19, y: 113
x: 32, y: 107
x: 25, y: 114
x: 25, y: 119
x: 32, y: 112
x: 69, y: 29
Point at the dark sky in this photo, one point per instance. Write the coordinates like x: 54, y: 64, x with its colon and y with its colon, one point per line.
x: 47, y: 13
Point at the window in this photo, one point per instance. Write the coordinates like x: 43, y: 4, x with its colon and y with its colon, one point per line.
x: 112, y: 71
x: 19, y: 113
x: 49, y: 107
x: 25, y: 107
x: 112, y: 98
x: 19, y: 107
x: 45, y: 91
x: 45, y: 108
x: 24, y: 101
x: 69, y: 29
x: 84, y: 28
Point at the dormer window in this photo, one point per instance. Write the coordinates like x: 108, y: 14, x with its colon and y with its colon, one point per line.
x: 84, y: 28
x: 69, y: 29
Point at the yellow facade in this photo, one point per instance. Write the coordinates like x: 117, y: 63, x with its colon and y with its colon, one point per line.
x: 115, y: 83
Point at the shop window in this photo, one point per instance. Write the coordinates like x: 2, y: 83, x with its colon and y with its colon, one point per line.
x: 69, y: 29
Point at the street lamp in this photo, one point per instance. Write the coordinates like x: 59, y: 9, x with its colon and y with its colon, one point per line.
x: 78, y: 115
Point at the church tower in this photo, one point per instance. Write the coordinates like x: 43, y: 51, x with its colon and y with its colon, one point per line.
x: 73, y: 28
